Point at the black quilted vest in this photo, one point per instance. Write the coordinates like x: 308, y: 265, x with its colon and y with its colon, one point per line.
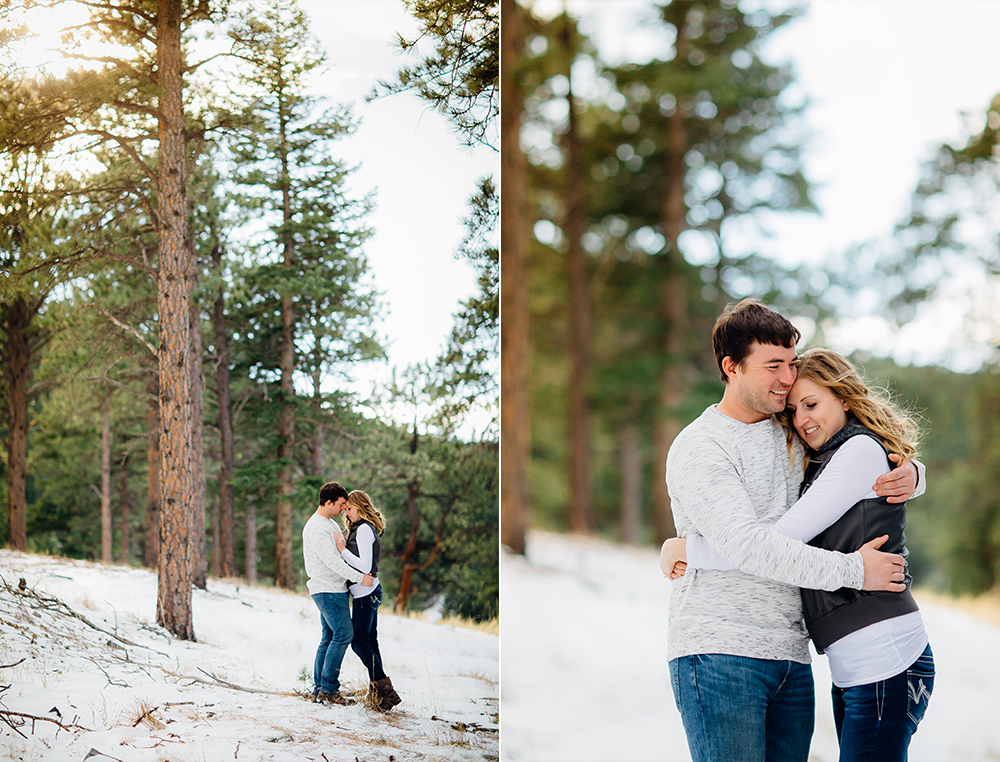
x: 352, y: 545
x: 832, y: 615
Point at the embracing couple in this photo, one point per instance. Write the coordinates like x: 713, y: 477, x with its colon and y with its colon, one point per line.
x: 782, y: 494
x: 340, y: 569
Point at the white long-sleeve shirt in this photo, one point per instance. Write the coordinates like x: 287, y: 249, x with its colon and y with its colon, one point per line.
x: 875, y: 652
x: 328, y: 571
x: 365, y: 538
x: 724, y: 478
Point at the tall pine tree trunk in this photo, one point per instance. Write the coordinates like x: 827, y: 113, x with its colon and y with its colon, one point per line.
x: 18, y: 314
x: 173, y: 604
x: 199, y: 568
x: 107, y: 535
x: 216, y: 539
x: 631, y: 473
x: 151, y: 546
x: 581, y: 512
x: 125, y: 539
x: 250, y: 530
x: 226, y: 550
x: 673, y: 306
x: 319, y: 430
x: 515, y: 359
x: 284, y: 570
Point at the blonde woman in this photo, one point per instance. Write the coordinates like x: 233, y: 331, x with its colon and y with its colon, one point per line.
x: 363, y: 550
x: 880, y: 657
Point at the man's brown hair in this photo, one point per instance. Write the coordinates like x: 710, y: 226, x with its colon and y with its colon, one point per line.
x: 749, y: 321
x: 330, y: 491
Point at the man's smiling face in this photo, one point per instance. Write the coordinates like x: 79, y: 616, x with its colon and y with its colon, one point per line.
x: 762, y: 381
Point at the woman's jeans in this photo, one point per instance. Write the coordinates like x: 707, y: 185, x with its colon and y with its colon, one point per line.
x: 875, y: 721
x: 736, y: 708
x: 335, y: 617
x: 365, y: 643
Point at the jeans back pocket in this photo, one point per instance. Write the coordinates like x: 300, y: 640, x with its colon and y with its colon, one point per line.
x: 920, y: 685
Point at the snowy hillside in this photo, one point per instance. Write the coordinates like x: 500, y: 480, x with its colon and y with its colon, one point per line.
x: 122, y: 689
x: 585, y: 674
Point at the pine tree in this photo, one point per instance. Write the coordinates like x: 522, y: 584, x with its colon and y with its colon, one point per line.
x: 285, y: 169
x: 460, y: 78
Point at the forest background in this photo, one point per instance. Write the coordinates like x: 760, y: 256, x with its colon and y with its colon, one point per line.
x: 652, y: 190
x: 181, y: 235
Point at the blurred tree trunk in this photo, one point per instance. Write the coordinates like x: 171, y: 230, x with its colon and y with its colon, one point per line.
x: 107, y: 535
x: 673, y: 306
x: 126, y: 506
x: 174, y: 287
x: 199, y: 562
x: 319, y: 429
x: 226, y: 549
x: 581, y: 512
x: 216, y: 539
x: 514, y: 344
x: 631, y: 473
x: 16, y: 318
x: 151, y: 547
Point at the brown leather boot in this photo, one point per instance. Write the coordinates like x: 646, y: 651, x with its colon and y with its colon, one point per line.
x: 387, y: 694
x: 333, y: 698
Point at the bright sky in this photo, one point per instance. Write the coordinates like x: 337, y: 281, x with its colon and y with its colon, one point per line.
x: 423, y: 175
x: 888, y: 81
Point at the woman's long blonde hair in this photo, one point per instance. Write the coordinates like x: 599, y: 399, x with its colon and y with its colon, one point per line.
x: 897, y: 428
x: 366, y: 511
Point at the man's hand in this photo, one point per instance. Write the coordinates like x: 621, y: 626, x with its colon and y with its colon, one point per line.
x: 673, y: 557
x: 900, y: 483
x: 338, y: 537
x: 369, y: 580
x: 883, y: 571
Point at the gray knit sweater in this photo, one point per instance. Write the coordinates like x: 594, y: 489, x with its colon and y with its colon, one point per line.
x: 724, y: 477
x: 327, y: 570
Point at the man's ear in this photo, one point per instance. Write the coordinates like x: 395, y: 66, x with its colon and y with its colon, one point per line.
x: 728, y: 366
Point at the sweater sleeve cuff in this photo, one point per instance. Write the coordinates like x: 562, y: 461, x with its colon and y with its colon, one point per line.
x: 856, y: 571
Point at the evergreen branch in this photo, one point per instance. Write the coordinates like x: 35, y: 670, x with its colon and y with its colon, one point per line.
x: 128, y: 328
x: 124, y: 145
x: 119, y: 385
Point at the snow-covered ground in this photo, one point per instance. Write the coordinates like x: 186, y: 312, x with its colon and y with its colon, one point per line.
x: 585, y: 675
x: 125, y: 690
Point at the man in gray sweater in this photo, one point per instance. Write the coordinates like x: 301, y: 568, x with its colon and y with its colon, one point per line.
x: 328, y: 576
x: 737, y: 644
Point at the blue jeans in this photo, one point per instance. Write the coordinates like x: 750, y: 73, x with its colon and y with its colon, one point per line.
x: 335, y: 617
x: 875, y: 721
x: 737, y: 709
x: 365, y: 643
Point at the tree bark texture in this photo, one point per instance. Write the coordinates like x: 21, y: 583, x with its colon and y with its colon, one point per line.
x: 107, y: 534
x: 126, y: 513
x: 151, y: 546
x: 284, y: 569
x: 18, y: 314
x: 581, y: 512
x: 173, y: 606
x: 199, y: 569
x: 226, y: 550
x: 515, y: 356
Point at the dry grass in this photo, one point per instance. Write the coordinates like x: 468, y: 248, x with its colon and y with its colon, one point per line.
x: 142, y: 713
x: 490, y: 627
x: 985, y: 606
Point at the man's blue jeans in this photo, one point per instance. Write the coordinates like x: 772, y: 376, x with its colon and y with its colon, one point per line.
x: 738, y: 709
x: 335, y: 617
x: 875, y: 721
